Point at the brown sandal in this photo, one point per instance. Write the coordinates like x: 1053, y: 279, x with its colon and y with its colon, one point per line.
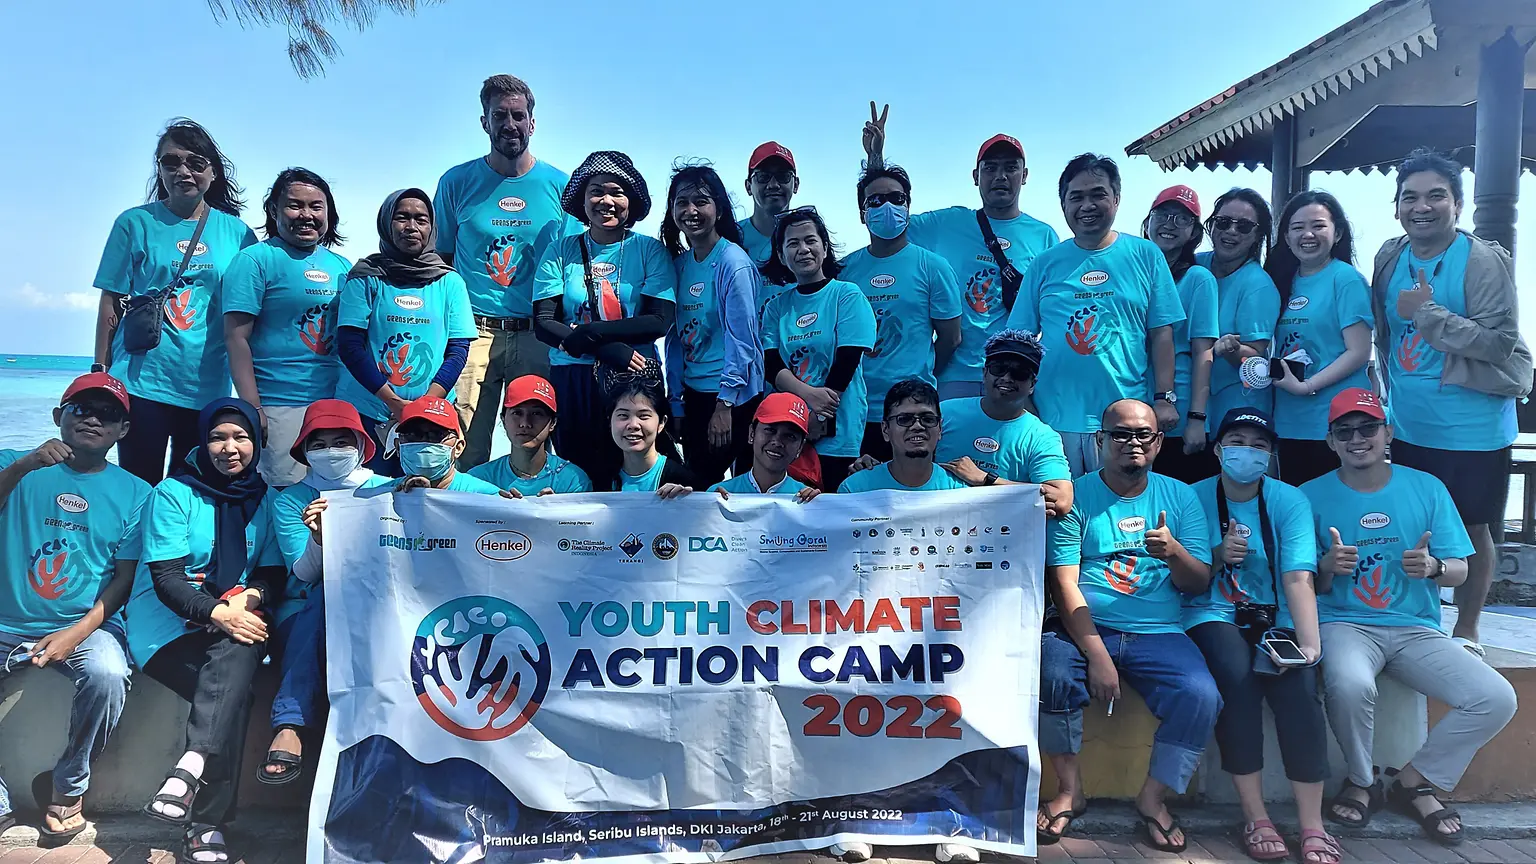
x: 1319, y: 847
x: 1256, y: 834
x: 42, y: 791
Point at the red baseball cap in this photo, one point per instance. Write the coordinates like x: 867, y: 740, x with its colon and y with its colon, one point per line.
x: 1180, y: 195
x: 1356, y: 400
x: 433, y: 409
x: 97, y: 381
x: 770, y: 150
x: 530, y: 388
x: 330, y: 414
x: 1012, y: 142
x: 784, y: 408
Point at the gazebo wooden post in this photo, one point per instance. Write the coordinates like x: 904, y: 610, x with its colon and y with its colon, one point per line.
x: 1500, y: 105
x: 1286, y: 177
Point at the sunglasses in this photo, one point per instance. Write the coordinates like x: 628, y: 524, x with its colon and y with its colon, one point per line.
x: 928, y: 419
x: 1364, y: 430
x: 1178, y: 218
x: 195, y: 163
x: 783, y: 178
x: 1015, y: 369
x: 106, y: 412
x: 878, y: 198
x: 1126, y: 436
x: 807, y: 210
x: 1226, y: 223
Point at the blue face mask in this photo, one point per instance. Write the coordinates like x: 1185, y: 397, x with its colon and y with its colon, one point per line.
x: 1244, y: 464
x: 424, y: 459
x: 886, y: 221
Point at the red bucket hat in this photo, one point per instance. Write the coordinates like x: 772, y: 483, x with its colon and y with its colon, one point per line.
x: 330, y: 414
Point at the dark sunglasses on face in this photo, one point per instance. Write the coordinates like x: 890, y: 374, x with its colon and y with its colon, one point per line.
x: 783, y: 178
x: 1345, y: 434
x: 195, y: 163
x: 1126, y: 436
x: 928, y: 419
x: 1225, y: 223
x: 1178, y: 218
x: 106, y: 412
x: 1018, y: 370
x: 875, y: 200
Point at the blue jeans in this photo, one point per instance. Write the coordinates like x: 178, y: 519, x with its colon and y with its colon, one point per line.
x: 302, y: 690
x: 1166, y: 669
x: 99, y: 668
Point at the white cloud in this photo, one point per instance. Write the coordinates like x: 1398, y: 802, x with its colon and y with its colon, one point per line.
x: 29, y: 296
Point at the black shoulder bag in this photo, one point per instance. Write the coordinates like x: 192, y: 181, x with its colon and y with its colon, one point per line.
x: 607, y: 376
x: 143, y: 318
x: 1009, y: 274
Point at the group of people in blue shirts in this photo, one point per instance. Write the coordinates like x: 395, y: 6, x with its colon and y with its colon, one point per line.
x: 1241, y: 507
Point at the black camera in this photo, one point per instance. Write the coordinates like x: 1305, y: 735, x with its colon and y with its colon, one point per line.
x: 1256, y: 618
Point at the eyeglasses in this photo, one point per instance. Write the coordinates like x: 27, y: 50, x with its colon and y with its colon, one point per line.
x: 1344, y: 434
x: 1018, y: 370
x: 782, y: 177
x: 195, y: 163
x: 928, y: 419
x: 1177, y: 217
x: 878, y: 198
x: 1226, y: 223
x: 1126, y: 436
x: 106, y: 412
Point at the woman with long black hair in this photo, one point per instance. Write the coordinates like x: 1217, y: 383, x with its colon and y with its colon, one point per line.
x: 193, y: 215
x: 714, y: 354
x: 645, y: 453
x: 1325, y: 311
x: 1240, y: 228
x: 815, y: 338
x: 601, y: 299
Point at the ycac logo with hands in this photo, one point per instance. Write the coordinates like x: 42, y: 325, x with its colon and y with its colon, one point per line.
x: 480, y: 667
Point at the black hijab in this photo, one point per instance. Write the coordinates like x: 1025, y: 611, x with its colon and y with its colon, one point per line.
x: 394, y: 266
x: 235, y: 499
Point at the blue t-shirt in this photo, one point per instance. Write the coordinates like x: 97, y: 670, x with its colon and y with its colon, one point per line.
x: 189, y: 368
x: 1197, y: 294
x: 1321, y: 307
x: 496, y: 228
x: 637, y: 266
x: 1290, y: 518
x: 1383, y: 525
x: 879, y: 477
x: 650, y: 481
x: 292, y: 293
x: 408, y: 330
x: 1023, y: 449
x: 1093, y: 310
x: 744, y: 484
x: 807, y: 330
x: 907, y: 291
x: 465, y: 482
x: 758, y: 246
x: 1250, y: 306
x: 1127, y: 589
x: 558, y: 474
x: 954, y: 235
x: 60, y: 532
x: 1424, y: 411
x: 179, y: 522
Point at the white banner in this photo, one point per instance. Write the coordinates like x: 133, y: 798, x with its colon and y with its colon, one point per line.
x: 616, y: 677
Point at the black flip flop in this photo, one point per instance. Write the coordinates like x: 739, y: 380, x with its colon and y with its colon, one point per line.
x: 1048, y: 837
x: 184, y: 801
x: 1148, y: 825
x: 42, y: 793
x: 292, y: 766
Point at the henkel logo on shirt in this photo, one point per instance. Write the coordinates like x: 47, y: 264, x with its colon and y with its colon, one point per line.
x: 181, y: 246
x: 806, y: 320
x: 71, y: 503
x: 409, y: 302
x: 985, y: 445
x: 1297, y: 303
x: 512, y: 204
x: 1132, y: 524
x: 1003, y: 244
x: 603, y: 268
x: 319, y: 276
x: 1242, y: 530
x: 1374, y: 521
x: 1094, y: 278
x: 884, y: 280
x: 696, y: 289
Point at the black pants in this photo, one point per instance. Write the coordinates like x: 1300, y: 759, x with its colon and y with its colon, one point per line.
x: 151, y: 426
x: 1292, y: 696
x: 1173, y: 462
x: 1302, y: 460
x: 834, y: 470
x: 582, y: 434
x: 708, y: 463
x: 212, y: 672
x: 875, y: 444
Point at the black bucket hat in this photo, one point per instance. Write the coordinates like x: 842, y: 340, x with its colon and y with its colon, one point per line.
x: 607, y: 162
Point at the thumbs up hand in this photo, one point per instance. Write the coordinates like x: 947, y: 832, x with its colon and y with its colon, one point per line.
x: 1418, y: 563
x: 1234, y: 546
x: 1159, y: 541
x: 1340, y: 560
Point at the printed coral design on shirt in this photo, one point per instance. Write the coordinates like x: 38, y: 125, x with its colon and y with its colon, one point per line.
x: 1290, y: 343
x: 407, y: 361
x: 1370, y: 582
x: 1227, y: 583
x: 500, y: 256
x: 1121, y: 573
x: 46, y: 570
x: 317, y: 328
x: 888, y: 329
x: 691, y: 338
x: 1082, y: 333
x: 800, y: 362
x: 1412, y: 350
x: 180, y: 310
x: 982, y: 293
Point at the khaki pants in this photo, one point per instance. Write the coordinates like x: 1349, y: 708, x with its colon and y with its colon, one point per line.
x: 496, y: 357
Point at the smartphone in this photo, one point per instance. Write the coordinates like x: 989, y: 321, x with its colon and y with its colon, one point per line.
x: 1277, y: 369
x: 1284, y: 652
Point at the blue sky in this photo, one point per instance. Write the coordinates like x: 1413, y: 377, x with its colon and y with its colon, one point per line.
x: 94, y: 83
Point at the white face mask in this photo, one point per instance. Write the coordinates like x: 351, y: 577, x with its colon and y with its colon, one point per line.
x: 334, y: 463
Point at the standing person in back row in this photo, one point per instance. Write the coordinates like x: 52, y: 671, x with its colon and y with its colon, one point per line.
x: 1240, y: 228
x: 772, y: 183
x: 1104, y: 304
x: 1453, y: 363
x: 192, y: 195
x: 912, y: 291
x: 989, y: 249
x: 495, y: 216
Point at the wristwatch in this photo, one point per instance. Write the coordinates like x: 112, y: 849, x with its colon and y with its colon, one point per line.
x: 726, y: 402
x: 1195, y: 415
x: 990, y: 479
x: 1439, y: 569
x: 1168, y: 396
x: 98, y: 367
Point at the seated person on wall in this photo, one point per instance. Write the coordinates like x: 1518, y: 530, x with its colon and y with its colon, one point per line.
x: 1389, y: 538
x: 912, y: 428
x: 1118, y: 567
x: 431, y: 441
x: 332, y: 446
x: 1261, y: 534
x: 777, y: 438
x: 529, y: 415
x: 65, y: 515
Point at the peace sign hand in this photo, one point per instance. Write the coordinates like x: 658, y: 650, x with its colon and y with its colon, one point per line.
x: 1409, y: 302
x: 874, y: 132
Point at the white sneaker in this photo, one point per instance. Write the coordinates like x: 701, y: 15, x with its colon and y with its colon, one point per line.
x: 948, y: 852
x: 852, y: 851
